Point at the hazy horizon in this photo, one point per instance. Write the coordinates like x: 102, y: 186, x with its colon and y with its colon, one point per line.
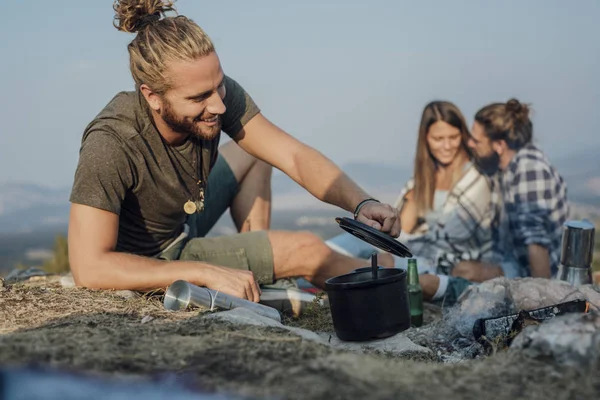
x: 331, y: 73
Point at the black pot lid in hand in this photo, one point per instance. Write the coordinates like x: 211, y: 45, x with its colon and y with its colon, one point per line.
x: 374, y: 237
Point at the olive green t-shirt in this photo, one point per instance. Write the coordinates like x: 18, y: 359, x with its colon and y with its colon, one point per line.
x: 125, y: 167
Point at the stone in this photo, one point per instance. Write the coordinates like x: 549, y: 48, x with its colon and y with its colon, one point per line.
x: 67, y: 281
x: 501, y: 296
x: 126, y: 294
x: 17, y: 275
x: 452, y: 336
x: 571, y: 339
x: 592, y: 295
x: 532, y: 293
x: 398, y: 345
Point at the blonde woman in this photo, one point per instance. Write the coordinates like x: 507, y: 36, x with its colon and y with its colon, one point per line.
x: 445, y: 208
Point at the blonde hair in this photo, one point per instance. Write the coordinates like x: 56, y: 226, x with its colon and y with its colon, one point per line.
x: 425, y: 164
x: 507, y: 121
x: 158, y: 41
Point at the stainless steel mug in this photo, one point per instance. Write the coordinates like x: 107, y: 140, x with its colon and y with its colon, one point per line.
x: 577, y: 252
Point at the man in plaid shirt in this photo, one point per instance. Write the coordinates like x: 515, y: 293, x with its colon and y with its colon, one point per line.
x: 533, y: 208
x: 530, y: 198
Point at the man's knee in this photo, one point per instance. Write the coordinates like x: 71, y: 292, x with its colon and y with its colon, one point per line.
x: 306, y: 241
x: 300, y: 246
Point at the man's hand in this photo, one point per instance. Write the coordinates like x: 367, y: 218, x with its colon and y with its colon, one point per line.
x: 539, y: 261
x: 382, y: 217
x: 234, y: 282
x: 95, y: 264
x: 476, y: 271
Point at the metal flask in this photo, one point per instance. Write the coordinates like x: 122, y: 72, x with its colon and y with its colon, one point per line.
x: 577, y: 252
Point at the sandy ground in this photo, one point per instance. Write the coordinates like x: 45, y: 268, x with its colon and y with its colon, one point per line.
x: 103, y: 333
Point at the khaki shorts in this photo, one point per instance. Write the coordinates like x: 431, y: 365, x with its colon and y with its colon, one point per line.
x: 249, y: 251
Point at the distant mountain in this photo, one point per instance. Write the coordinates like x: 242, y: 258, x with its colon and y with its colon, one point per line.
x: 26, y: 207
x: 581, y: 172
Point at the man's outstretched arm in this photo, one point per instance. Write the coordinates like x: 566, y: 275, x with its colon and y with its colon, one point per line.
x: 95, y: 263
x: 313, y: 171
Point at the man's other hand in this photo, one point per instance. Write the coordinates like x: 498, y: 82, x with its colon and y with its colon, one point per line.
x: 382, y: 217
x: 234, y: 282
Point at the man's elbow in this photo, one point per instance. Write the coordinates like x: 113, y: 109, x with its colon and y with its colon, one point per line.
x: 85, y: 274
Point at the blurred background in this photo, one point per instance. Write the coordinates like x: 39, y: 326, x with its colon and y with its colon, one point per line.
x: 347, y: 77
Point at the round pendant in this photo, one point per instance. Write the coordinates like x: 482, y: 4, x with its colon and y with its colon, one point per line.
x: 189, y: 207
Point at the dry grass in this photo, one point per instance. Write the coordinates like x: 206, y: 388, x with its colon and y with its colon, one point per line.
x: 104, y: 333
x: 315, y: 317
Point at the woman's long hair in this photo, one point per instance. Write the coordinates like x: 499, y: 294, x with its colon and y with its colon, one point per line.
x: 425, y: 164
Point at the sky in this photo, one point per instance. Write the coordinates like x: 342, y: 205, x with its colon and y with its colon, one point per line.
x: 349, y: 78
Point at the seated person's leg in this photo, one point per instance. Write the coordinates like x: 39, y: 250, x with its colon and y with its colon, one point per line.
x: 272, y: 255
x: 476, y: 271
x: 304, y: 254
x: 240, y: 182
x: 351, y: 246
x: 251, y: 207
x: 424, y: 265
x: 443, y: 288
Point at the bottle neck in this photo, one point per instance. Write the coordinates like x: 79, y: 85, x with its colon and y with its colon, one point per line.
x: 413, y: 274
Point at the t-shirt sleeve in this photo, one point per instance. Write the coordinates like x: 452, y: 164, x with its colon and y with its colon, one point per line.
x: 104, y: 173
x: 240, y: 108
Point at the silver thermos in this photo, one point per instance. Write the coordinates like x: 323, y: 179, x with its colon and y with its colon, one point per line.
x: 577, y: 252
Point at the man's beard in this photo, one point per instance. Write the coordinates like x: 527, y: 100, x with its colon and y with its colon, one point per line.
x: 187, y: 126
x: 489, y: 164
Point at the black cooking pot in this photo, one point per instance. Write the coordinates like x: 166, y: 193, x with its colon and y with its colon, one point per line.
x: 364, y: 308
x: 372, y: 302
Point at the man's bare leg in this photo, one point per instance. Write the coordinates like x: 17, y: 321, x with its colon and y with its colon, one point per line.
x: 304, y: 254
x: 251, y: 208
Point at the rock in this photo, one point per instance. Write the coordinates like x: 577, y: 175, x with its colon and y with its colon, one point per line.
x: 146, y: 318
x: 17, y: 275
x: 126, y: 294
x: 506, y: 296
x: 532, y: 293
x: 67, y: 281
x: 571, y: 339
x: 1, y: 284
x: 592, y: 295
x: 398, y: 345
x: 453, y: 335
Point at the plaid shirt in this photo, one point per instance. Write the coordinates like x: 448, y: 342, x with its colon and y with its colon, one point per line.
x: 531, y: 203
x: 461, y: 229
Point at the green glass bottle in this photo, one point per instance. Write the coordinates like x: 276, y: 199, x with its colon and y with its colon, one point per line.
x: 415, y: 294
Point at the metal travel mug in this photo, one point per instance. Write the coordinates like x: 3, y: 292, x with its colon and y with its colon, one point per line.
x: 577, y: 252
x: 181, y: 294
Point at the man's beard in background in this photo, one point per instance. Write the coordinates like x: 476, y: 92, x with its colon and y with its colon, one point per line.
x: 488, y: 165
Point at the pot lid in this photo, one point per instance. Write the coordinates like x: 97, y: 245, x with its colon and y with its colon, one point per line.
x: 374, y: 237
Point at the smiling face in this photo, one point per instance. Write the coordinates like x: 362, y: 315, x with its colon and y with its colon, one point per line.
x: 444, y: 142
x: 193, y: 104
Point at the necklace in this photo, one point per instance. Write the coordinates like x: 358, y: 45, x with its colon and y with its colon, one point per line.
x: 194, y: 206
